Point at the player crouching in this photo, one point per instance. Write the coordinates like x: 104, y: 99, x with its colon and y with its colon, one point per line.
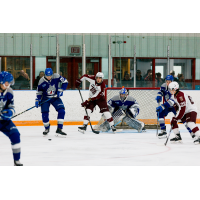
x: 123, y: 107
x: 6, y: 113
x: 96, y: 97
x: 48, y: 90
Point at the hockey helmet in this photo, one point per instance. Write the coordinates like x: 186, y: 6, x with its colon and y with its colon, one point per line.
x: 123, y: 91
x: 169, y: 78
x: 173, y: 85
x: 6, y: 77
x: 100, y: 74
x: 48, y: 72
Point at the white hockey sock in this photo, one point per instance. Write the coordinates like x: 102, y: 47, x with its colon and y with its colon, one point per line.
x: 109, y: 118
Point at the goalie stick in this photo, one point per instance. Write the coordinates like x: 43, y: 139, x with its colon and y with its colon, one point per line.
x: 33, y: 107
x: 97, y: 132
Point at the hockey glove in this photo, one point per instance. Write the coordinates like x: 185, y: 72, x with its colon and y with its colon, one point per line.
x: 85, y: 104
x: 6, y: 114
x: 37, y: 103
x: 77, y: 83
x: 160, y: 108
x: 59, y: 93
x: 174, y: 122
x: 158, y: 99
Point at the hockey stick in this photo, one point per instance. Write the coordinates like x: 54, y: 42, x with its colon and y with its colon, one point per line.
x: 33, y: 107
x: 97, y: 132
x: 157, y: 121
x: 168, y: 136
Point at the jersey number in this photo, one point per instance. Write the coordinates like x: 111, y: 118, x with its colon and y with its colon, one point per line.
x: 191, y: 101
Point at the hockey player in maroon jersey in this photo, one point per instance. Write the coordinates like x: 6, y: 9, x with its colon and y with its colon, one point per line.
x: 96, y: 97
x: 186, y: 111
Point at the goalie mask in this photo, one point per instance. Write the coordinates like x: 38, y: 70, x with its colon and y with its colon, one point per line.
x: 123, y: 93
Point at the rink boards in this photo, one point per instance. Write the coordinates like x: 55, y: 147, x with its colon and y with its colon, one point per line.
x: 74, y: 111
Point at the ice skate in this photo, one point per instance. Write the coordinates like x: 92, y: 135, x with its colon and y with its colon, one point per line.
x: 163, y: 134
x: 176, y: 139
x: 141, y: 128
x: 17, y: 163
x: 45, y: 133
x: 113, y: 129
x: 60, y: 133
x: 83, y: 128
x: 197, y: 141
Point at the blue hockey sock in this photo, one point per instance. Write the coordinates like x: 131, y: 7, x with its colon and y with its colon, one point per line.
x: 45, y: 119
x: 60, y: 119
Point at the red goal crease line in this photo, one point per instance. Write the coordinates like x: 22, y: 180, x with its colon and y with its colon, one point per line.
x: 54, y: 122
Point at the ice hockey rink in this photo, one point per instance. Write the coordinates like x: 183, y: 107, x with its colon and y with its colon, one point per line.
x: 125, y: 148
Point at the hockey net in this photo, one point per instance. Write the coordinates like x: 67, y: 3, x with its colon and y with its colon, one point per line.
x: 146, y: 100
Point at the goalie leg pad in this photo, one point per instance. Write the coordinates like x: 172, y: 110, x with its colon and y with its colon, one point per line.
x: 134, y: 123
x: 118, y: 116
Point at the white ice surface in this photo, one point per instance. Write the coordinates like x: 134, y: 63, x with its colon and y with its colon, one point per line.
x: 126, y: 148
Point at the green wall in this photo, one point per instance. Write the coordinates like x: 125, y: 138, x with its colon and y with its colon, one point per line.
x: 147, y: 44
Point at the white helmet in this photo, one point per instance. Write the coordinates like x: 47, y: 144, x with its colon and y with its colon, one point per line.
x: 99, y: 74
x: 173, y: 85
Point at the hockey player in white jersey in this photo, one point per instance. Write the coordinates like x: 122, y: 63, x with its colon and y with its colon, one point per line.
x: 186, y: 111
x: 96, y: 97
x: 123, y: 107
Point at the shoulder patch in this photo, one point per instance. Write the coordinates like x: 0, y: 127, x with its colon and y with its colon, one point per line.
x: 9, y: 90
x: 41, y: 81
x: 55, y: 75
x: 130, y: 98
x: 115, y: 98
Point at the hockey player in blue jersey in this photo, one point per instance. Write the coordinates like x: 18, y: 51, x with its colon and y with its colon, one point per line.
x: 124, y: 107
x: 165, y: 93
x: 6, y: 113
x: 48, y: 88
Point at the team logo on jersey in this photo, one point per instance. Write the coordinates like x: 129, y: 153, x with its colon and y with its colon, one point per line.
x: 44, y: 85
x: 51, y: 90
x: 93, y: 89
x: 123, y: 107
x: 2, y: 104
x: 181, y: 98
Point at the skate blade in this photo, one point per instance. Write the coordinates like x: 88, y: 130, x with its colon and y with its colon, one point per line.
x: 161, y: 137
x: 45, y: 135
x: 119, y: 130
x: 176, y: 142
x: 81, y: 131
x: 59, y: 135
x: 196, y: 143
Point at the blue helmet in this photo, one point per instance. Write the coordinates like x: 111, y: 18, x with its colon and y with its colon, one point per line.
x: 169, y: 78
x: 123, y: 91
x: 48, y: 72
x: 6, y: 77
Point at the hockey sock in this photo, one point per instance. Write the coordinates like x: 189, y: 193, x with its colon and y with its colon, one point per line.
x: 15, y: 144
x: 16, y: 148
x: 162, y: 124
x: 109, y: 118
x: 60, y: 120
x: 87, y: 118
x: 45, y: 119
